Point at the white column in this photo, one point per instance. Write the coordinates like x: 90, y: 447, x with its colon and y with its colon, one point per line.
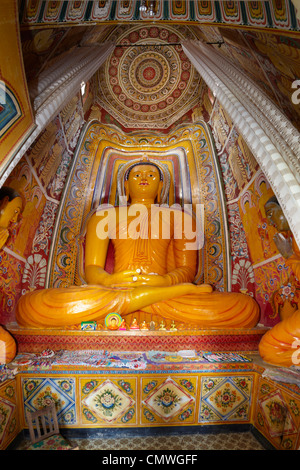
x: 273, y: 140
x: 56, y: 86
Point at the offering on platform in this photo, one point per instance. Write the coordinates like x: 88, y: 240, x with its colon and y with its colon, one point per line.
x: 88, y: 325
x: 134, y: 325
x: 113, y: 321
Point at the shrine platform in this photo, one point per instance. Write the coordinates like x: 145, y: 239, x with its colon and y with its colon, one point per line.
x: 220, y: 340
x: 111, y: 380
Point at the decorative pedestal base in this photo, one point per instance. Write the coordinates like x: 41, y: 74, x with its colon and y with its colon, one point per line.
x: 33, y: 340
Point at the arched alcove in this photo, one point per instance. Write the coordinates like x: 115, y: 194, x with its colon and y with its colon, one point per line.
x: 189, y: 153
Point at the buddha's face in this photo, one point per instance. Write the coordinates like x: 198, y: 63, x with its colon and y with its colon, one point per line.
x: 143, y: 182
x: 276, y: 217
x: 10, y: 211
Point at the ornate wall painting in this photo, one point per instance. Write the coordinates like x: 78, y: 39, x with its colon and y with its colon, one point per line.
x: 240, y: 159
x: 271, y: 277
x: 38, y: 46
x: 221, y: 126
x: 34, y: 201
x: 10, y: 287
x: 16, y: 118
x: 168, y: 401
x: 258, y: 232
x: 246, y: 60
x: 19, y: 245
x: 257, y: 267
x: 270, y: 272
x: 108, y: 402
x: 242, y: 279
x: 279, y: 58
x: 277, y: 414
x: 40, y: 178
x: 225, y: 399
x: 9, y: 425
x: 71, y: 118
x: 93, y: 173
x: 40, y: 392
x: 270, y: 59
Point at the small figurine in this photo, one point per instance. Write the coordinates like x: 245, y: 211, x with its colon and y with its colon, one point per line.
x: 123, y: 325
x: 134, y: 325
x: 113, y: 324
x: 113, y: 321
x: 173, y: 326
x: 144, y: 326
x: 152, y: 325
x: 162, y: 326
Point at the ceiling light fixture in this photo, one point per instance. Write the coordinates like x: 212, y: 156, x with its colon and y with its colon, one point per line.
x: 148, y: 7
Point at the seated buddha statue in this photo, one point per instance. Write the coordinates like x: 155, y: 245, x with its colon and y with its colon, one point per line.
x: 143, y: 283
x: 279, y: 345
x: 10, y: 208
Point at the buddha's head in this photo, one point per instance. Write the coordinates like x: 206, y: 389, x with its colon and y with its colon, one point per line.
x: 275, y: 215
x: 10, y: 206
x: 144, y: 180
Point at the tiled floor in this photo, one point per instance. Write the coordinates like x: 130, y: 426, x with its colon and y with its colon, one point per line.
x: 217, y: 441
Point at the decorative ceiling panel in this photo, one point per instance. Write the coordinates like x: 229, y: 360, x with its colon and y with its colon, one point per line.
x: 148, y: 82
x: 275, y: 14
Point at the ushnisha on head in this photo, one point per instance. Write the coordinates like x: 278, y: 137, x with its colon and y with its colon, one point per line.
x: 275, y: 215
x: 125, y: 171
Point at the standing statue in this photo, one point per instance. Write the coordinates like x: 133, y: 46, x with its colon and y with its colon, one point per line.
x: 279, y: 345
x: 10, y: 208
x: 142, y: 283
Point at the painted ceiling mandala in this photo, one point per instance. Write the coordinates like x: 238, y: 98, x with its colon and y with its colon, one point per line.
x: 148, y: 81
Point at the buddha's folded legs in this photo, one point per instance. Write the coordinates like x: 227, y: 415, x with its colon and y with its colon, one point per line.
x: 280, y: 345
x: 185, y: 303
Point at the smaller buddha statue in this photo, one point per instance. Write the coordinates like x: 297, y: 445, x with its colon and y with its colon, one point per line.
x: 10, y: 208
x: 144, y: 326
x: 279, y: 345
x: 123, y: 325
x: 113, y: 324
x: 134, y: 325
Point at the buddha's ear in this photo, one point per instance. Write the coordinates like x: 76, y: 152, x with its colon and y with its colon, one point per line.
x: 126, y: 190
x: 159, y: 192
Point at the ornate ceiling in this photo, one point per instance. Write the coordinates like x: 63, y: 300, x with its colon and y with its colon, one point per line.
x: 148, y: 82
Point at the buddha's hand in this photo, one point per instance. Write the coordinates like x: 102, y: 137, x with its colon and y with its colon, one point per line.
x: 152, y: 280
x: 284, y: 245
x: 135, y: 279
